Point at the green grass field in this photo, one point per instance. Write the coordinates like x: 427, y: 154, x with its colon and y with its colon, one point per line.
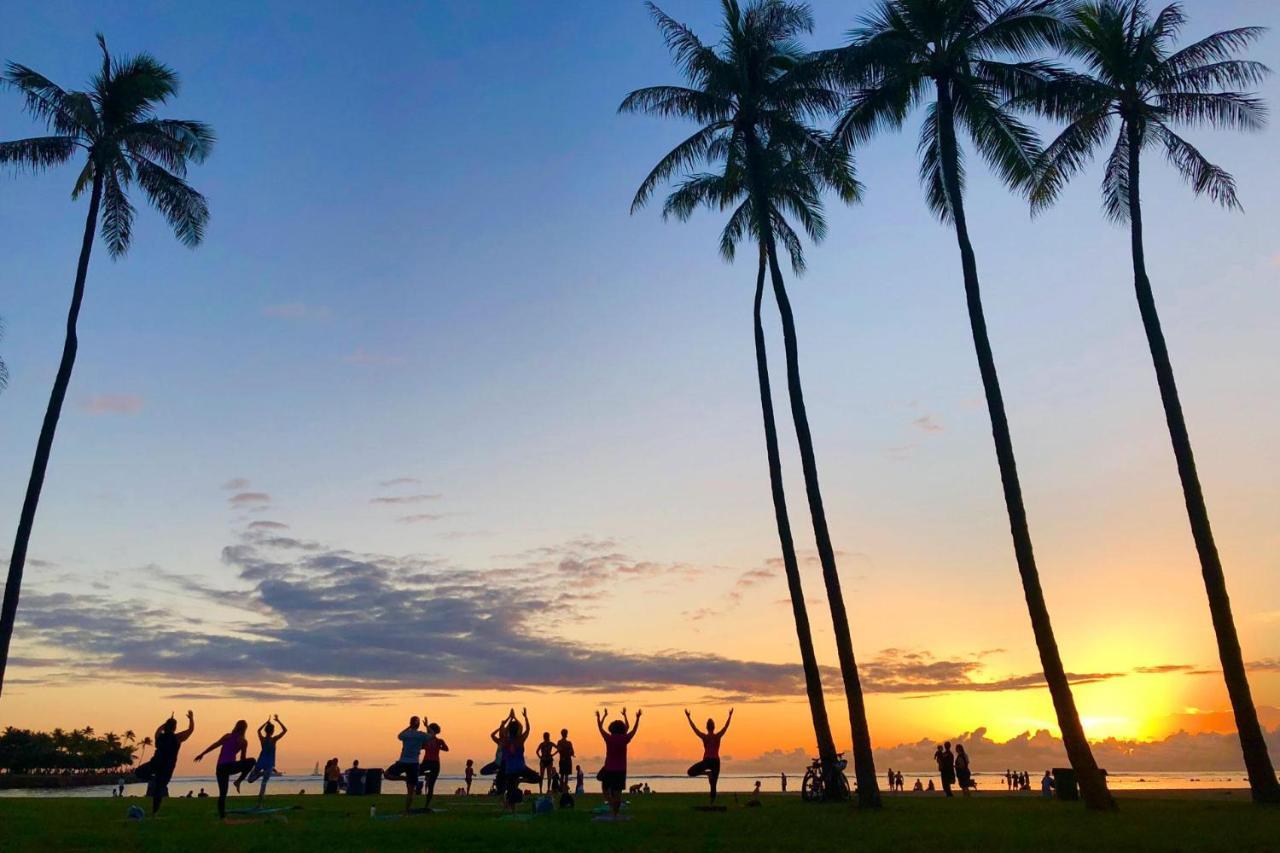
x: 660, y: 822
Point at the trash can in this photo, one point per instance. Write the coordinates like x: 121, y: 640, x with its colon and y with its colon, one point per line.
x: 355, y: 783
x: 373, y: 780
x: 1064, y: 783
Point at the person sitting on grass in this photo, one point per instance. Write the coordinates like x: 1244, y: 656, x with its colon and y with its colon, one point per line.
x: 613, y: 776
x: 233, y: 743
x: 709, y: 766
x: 431, y: 749
x: 158, y: 772
x: 412, y: 739
x: 266, y: 766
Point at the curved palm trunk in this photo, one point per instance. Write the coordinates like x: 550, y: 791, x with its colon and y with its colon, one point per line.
x: 9, y: 612
x: 1262, y: 774
x: 809, y: 659
x: 863, y: 760
x: 1093, y: 785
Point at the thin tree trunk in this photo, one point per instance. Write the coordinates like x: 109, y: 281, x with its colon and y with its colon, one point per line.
x: 1262, y: 775
x: 1093, y: 785
x: 9, y: 612
x: 863, y: 761
x: 791, y: 566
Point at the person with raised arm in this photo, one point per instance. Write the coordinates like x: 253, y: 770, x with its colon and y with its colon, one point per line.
x: 158, y: 772
x: 514, y: 768
x: 232, y: 744
x: 265, y: 768
x: 613, y: 776
x: 709, y: 766
x: 406, y: 766
x: 431, y: 749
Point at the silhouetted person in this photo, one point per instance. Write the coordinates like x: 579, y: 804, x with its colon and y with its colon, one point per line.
x: 431, y: 749
x: 946, y: 767
x: 783, y: 774
x: 158, y: 772
x: 468, y: 774
x: 233, y: 743
x: 931, y: 786
x: 963, y: 775
x: 1047, y: 785
x: 546, y: 752
x: 514, y: 769
x: 565, y: 755
x: 919, y: 786
x: 709, y: 766
x: 901, y: 784
x: 406, y: 767
x: 613, y: 776
x: 893, y: 780
x: 265, y: 768
x: 580, y: 787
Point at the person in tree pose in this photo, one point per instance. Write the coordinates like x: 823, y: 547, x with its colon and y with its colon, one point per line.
x: 159, y: 770
x: 406, y: 767
x: 265, y: 767
x: 431, y: 749
x: 613, y: 776
x: 232, y: 744
x: 709, y: 766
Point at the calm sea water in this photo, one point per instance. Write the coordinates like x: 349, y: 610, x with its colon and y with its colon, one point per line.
x: 661, y: 784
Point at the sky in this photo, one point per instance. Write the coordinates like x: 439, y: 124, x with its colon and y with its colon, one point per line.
x: 431, y: 423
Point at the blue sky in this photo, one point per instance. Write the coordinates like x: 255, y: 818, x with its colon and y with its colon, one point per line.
x: 421, y: 265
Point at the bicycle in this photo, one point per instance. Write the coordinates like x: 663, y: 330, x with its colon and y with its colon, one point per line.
x: 813, y: 787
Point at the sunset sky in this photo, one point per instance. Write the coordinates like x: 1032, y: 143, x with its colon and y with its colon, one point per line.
x: 431, y: 423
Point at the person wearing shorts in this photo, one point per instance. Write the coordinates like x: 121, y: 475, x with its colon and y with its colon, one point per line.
x: 565, y: 755
x: 709, y: 766
x: 613, y: 776
x: 412, y: 740
x: 546, y: 761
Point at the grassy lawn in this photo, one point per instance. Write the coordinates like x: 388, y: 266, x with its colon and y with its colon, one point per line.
x: 659, y: 822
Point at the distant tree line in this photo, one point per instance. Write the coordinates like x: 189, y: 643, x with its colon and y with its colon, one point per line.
x: 59, y: 751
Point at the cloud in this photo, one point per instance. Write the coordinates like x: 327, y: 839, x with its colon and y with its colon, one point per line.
x: 928, y: 423
x: 296, y: 311
x: 244, y: 499
x: 370, y: 359
x: 113, y: 404
x: 318, y: 617
x: 405, y: 499
x: 421, y: 517
x: 236, y: 484
x: 400, y: 481
x: 267, y: 525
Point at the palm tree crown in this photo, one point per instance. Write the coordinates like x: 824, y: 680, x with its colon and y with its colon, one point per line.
x: 114, y: 123
x: 1134, y: 79
x: 751, y: 99
x: 905, y: 48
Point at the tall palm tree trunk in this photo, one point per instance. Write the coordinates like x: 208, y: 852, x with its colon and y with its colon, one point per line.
x: 791, y: 566
x: 1262, y: 774
x: 863, y: 760
x: 1093, y: 785
x: 9, y: 611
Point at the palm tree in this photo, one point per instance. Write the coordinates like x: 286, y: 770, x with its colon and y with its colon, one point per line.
x: 1135, y: 82
x: 902, y: 54
x: 750, y: 99
x: 146, y: 742
x: 123, y: 142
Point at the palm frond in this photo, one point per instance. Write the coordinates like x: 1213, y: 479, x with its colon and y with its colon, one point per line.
x: 931, y: 176
x: 1227, y: 110
x: 1219, y: 47
x: 37, y: 153
x: 170, y: 142
x: 1115, y: 179
x: 1067, y: 155
x: 685, y: 155
x: 1205, y: 178
x: 65, y: 113
x: 1009, y: 146
x: 1237, y: 73
x: 186, y: 210
x: 117, y: 214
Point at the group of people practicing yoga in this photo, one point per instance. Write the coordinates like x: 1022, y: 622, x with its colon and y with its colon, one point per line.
x: 419, y: 763
x: 233, y: 759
